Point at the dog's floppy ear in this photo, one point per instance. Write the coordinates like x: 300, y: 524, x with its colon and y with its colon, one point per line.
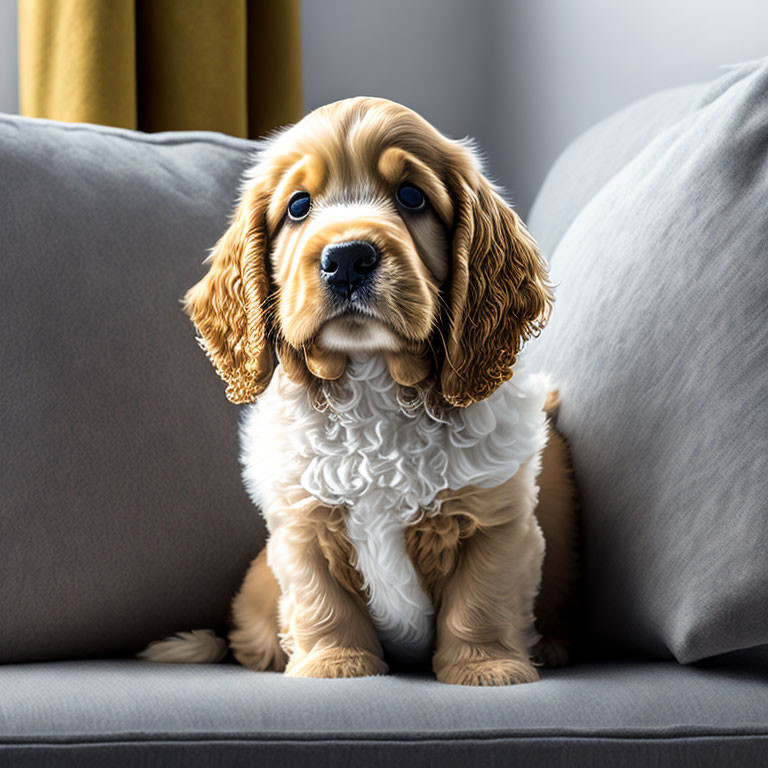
x: 228, y: 305
x: 499, y: 296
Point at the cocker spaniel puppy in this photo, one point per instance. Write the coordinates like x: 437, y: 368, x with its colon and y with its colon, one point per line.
x: 371, y: 300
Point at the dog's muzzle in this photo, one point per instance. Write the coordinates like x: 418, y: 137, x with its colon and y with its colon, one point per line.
x: 348, y: 267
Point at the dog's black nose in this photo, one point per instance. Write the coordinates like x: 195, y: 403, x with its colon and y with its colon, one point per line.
x: 346, y: 266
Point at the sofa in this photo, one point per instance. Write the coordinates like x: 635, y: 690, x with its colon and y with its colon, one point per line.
x: 123, y: 518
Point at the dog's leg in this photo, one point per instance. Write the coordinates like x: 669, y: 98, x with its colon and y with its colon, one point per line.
x: 557, y: 515
x: 485, y: 624
x: 254, y: 639
x: 329, y: 632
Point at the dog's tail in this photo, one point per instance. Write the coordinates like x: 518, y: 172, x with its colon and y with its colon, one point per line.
x: 200, y: 646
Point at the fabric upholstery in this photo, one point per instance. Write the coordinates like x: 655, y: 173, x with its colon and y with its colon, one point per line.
x: 628, y: 713
x: 122, y: 513
x: 597, y: 155
x: 659, y: 344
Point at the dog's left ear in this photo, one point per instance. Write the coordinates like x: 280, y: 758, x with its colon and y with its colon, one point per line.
x: 228, y: 306
x: 499, y: 295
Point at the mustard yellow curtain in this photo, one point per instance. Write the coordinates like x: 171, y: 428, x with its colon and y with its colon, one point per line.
x: 160, y: 65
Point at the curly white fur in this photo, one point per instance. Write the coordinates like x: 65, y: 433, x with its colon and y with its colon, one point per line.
x: 385, y: 460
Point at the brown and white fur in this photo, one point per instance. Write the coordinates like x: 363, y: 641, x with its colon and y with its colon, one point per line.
x: 403, y: 455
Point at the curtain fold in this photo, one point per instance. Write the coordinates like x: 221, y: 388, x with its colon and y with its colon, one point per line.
x: 157, y: 65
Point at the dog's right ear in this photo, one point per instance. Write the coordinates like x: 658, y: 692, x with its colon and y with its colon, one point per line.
x: 228, y: 305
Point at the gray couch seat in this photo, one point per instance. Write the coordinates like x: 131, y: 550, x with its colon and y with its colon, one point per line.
x: 628, y: 713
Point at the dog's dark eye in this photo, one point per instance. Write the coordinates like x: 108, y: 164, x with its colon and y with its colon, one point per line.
x: 298, y: 205
x: 411, y: 197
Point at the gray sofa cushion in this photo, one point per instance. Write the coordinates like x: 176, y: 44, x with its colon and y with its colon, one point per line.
x: 122, y: 514
x: 659, y: 342
x: 597, y: 155
x: 631, y: 714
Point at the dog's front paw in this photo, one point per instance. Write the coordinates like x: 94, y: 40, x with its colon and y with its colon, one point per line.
x: 488, y: 672
x: 337, y: 662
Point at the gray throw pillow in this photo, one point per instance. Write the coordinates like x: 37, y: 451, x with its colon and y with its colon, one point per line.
x: 600, y: 153
x: 122, y: 513
x: 659, y: 342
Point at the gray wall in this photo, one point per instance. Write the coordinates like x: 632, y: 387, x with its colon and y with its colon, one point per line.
x: 573, y: 62
x: 522, y: 76
x: 9, y: 91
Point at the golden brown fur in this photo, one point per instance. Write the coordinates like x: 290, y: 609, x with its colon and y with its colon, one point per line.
x: 465, y: 287
x: 498, y: 294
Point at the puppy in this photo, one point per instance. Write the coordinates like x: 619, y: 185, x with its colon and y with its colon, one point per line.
x: 371, y: 300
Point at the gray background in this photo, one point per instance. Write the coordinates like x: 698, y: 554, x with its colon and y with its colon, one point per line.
x: 522, y: 76
x: 9, y: 90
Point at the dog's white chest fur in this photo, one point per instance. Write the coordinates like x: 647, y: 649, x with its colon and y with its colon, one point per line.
x: 385, y: 462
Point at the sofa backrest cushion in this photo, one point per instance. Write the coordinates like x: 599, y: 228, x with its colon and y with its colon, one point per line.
x: 122, y: 513
x: 659, y: 343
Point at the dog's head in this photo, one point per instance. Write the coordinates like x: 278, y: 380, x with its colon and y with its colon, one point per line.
x: 363, y: 228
